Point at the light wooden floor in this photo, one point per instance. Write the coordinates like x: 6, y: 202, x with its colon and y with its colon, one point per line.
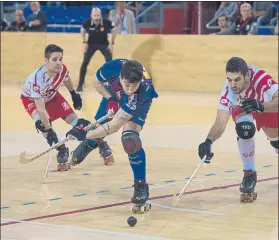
x: 92, y: 200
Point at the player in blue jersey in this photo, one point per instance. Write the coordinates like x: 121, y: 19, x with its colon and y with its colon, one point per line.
x: 126, y: 88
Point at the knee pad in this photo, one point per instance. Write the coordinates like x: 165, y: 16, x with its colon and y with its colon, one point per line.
x: 275, y: 144
x: 82, y: 123
x: 245, y: 129
x: 131, y: 142
x: 40, y: 126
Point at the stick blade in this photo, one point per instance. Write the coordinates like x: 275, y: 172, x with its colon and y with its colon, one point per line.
x: 174, y: 198
x: 22, y: 158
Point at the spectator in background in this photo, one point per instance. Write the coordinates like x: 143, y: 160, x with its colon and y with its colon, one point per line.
x: 262, y: 12
x: 37, y: 21
x: 135, y: 7
x: 3, y: 25
x: 245, y: 25
x: 223, y: 24
x: 231, y: 11
x: 274, y: 20
x: 123, y: 19
x: 19, y: 24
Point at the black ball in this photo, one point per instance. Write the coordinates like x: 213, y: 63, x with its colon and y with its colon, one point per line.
x: 132, y: 221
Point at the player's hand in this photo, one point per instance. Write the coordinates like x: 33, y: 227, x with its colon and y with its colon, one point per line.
x: 51, y: 137
x: 112, y: 104
x: 76, y: 133
x: 205, y: 149
x: 252, y: 105
x: 77, y: 101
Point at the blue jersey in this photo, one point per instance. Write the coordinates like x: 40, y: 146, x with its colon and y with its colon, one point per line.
x: 137, y: 104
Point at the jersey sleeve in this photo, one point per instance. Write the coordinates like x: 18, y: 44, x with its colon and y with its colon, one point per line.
x: 265, y: 86
x: 34, y: 86
x: 224, y: 103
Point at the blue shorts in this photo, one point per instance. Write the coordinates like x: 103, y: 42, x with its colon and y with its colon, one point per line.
x: 139, y: 118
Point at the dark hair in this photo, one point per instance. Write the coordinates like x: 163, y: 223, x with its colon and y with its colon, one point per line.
x: 236, y: 64
x: 51, y: 48
x: 132, y: 71
x: 224, y: 17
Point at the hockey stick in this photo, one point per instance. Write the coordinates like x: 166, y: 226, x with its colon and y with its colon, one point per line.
x: 48, y: 165
x: 23, y: 159
x: 176, y: 199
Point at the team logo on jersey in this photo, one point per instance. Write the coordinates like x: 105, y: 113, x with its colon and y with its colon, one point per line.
x: 66, y: 106
x: 224, y: 101
x: 132, y: 104
x: 36, y: 88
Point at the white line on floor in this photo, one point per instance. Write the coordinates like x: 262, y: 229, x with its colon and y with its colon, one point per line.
x: 85, y: 229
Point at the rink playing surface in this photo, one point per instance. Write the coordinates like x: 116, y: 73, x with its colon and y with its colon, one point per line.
x: 91, y: 201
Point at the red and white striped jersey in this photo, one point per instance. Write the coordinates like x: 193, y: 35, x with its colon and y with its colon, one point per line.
x: 40, y: 85
x: 261, y: 87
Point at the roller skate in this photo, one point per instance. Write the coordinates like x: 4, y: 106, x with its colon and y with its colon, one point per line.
x: 105, y: 152
x: 62, y: 158
x: 81, y: 152
x: 139, y: 199
x: 247, y: 186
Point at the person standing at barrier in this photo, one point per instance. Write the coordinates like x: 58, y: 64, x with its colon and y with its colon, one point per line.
x: 98, y: 29
x: 37, y: 21
x: 249, y: 94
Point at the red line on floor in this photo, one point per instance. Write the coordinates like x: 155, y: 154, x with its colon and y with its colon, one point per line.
x: 127, y: 202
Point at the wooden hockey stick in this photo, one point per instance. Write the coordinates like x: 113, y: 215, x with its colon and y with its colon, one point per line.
x: 176, y: 199
x: 23, y: 159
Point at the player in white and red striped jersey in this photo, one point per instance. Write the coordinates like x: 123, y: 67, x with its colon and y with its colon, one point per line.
x: 249, y: 94
x: 43, y: 102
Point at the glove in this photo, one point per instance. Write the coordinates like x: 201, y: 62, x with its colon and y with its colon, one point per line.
x: 77, y: 133
x: 205, y: 149
x: 252, y: 105
x: 77, y: 101
x: 51, y: 137
x: 112, y: 104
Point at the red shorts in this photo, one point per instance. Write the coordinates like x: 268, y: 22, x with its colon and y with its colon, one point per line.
x: 267, y: 120
x: 56, y: 108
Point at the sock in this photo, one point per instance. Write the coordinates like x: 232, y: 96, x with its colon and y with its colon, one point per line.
x: 137, y: 162
x: 247, y: 153
x: 75, y: 121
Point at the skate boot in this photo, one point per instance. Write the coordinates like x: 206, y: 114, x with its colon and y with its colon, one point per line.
x: 62, y: 158
x: 139, y: 199
x: 105, y: 152
x: 247, y: 187
x: 81, y: 152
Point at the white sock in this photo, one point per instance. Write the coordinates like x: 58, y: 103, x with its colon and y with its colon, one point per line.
x: 247, y: 153
x: 247, y: 147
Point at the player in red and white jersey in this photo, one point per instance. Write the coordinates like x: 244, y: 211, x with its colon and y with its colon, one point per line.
x: 249, y: 94
x: 43, y: 102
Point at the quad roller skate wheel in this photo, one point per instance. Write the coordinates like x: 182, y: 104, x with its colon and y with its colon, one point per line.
x: 248, y: 197
x: 139, y: 208
x: 109, y: 160
x: 63, y: 167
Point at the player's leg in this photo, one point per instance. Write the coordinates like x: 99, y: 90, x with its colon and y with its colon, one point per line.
x: 132, y: 145
x: 272, y: 135
x: 269, y: 123
x: 86, y: 59
x: 106, y: 53
x: 87, y: 146
x: 246, y: 129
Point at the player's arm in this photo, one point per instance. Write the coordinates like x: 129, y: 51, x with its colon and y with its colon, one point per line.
x: 77, y: 101
x: 219, y: 125
x: 119, y: 119
x: 272, y: 106
x: 100, y: 88
x: 215, y: 133
x: 41, y: 108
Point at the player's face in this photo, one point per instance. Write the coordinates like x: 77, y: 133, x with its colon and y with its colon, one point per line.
x: 55, y: 61
x: 129, y: 88
x: 237, y: 82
